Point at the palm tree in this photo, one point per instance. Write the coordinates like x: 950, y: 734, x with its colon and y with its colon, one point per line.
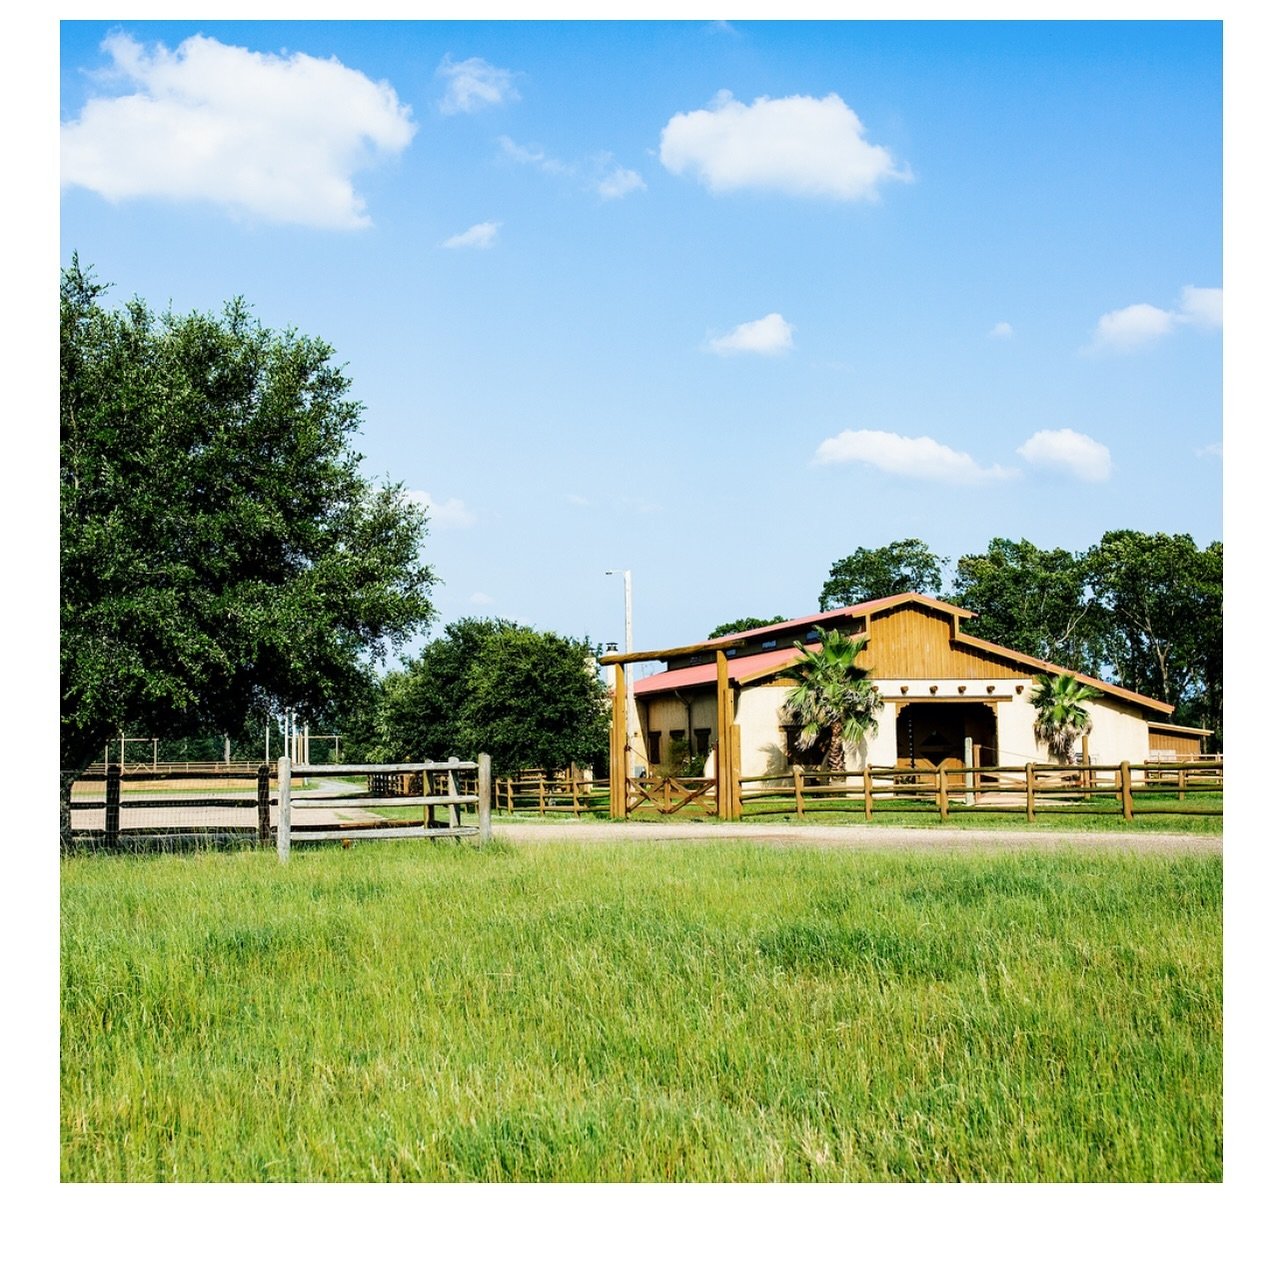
x: 1061, y: 719
x: 834, y: 696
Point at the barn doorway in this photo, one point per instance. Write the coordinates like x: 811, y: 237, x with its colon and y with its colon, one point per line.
x: 929, y: 734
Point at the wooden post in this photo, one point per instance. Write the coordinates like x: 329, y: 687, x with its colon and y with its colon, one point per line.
x: 798, y: 805
x: 969, y: 783
x: 283, y: 822
x: 868, y: 791
x: 264, y: 804
x: 725, y: 811
x: 977, y: 786
x: 1088, y: 778
x: 1180, y: 783
x: 509, y: 794
x: 737, y: 785
x: 423, y: 784
x: 452, y: 785
x: 541, y: 796
x: 943, y: 792
x: 111, y: 820
x: 1125, y: 775
x: 618, y: 748
x: 483, y: 797
x: 1029, y: 792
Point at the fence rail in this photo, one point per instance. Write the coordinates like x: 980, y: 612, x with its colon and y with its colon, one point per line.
x: 1038, y: 786
x: 344, y: 801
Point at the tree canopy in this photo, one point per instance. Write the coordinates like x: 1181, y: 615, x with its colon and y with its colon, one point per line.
x: 906, y: 565
x: 1164, y: 599
x: 532, y: 700
x: 221, y: 551
x: 1033, y: 600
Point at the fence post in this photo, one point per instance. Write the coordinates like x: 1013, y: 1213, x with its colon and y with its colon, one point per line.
x: 1180, y: 784
x: 452, y: 782
x: 1029, y: 792
x: 943, y: 793
x: 868, y: 792
x: 798, y: 804
x: 111, y: 820
x: 483, y: 797
x: 1125, y: 774
x: 283, y: 822
x: 733, y: 774
x: 264, y: 804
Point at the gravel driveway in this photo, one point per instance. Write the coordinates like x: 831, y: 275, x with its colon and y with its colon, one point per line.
x: 884, y: 838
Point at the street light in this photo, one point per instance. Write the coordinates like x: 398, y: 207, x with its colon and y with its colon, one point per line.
x: 628, y: 650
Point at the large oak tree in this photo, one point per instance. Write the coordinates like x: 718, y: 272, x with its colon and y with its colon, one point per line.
x: 221, y: 551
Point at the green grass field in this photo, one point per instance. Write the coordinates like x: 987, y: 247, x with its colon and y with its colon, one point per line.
x: 641, y: 1012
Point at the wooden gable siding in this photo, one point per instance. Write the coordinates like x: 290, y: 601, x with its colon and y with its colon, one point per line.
x: 1179, y: 740
x: 913, y: 642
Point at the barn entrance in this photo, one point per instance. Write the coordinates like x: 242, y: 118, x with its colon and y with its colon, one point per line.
x: 934, y: 733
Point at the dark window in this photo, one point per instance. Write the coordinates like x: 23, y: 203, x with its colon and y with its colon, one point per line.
x: 701, y: 739
x: 770, y: 645
x: 652, y: 745
x: 678, y: 736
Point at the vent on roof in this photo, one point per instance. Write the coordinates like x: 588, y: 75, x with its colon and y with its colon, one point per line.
x: 730, y: 650
x: 770, y: 645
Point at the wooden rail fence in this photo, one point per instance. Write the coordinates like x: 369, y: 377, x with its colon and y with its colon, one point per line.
x: 453, y: 800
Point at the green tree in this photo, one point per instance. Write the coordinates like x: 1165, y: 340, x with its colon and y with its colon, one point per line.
x: 535, y: 701
x: 1164, y: 598
x: 834, y: 701
x: 531, y: 700
x: 907, y: 565
x: 1033, y: 600
x: 221, y: 552
x: 745, y: 625
x: 1061, y: 718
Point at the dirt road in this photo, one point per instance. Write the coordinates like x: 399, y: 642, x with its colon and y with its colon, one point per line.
x: 856, y: 836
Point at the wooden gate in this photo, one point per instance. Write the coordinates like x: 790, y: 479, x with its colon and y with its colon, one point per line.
x: 667, y: 796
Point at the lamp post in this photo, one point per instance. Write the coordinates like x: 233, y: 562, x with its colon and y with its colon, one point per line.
x: 628, y: 650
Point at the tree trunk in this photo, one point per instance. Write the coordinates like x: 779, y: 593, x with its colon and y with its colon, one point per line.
x: 836, y: 757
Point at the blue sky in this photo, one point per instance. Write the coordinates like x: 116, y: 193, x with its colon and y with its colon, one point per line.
x: 716, y: 303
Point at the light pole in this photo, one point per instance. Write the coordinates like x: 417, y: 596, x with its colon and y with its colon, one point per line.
x: 628, y: 650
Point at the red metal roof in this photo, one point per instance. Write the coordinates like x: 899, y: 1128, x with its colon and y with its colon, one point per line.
x: 740, y: 669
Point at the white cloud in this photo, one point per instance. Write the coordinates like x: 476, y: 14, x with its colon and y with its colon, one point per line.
x: 478, y: 236
x: 445, y: 514
x: 1002, y: 330
x: 1202, y: 307
x: 800, y: 146
x: 1065, y: 450
x: 1133, y: 327
x: 767, y: 337
x: 480, y: 599
x: 278, y: 137
x: 1143, y: 323
x: 619, y: 182
x: 474, y: 84
x: 919, y: 458
x: 1214, y: 451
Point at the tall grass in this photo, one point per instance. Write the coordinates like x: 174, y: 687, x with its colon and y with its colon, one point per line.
x: 654, y: 1012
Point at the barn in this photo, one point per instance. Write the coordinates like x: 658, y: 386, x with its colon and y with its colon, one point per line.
x: 948, y: 698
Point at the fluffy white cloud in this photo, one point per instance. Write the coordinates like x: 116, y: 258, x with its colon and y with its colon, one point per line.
x: 1202, y: 307
x: 619, y: 182
x: 480, y: 599
x: 478, y: 236
x: 1143, y: 323
x: 919, y: 458
x: 474, y: 84
x: 275, y: 137
x: 801, y: 146
x: 1065, y: 450
x: 1133, y: 327
x: 768, y: 337
x: 1002, y: 330
x: 445, y: 514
